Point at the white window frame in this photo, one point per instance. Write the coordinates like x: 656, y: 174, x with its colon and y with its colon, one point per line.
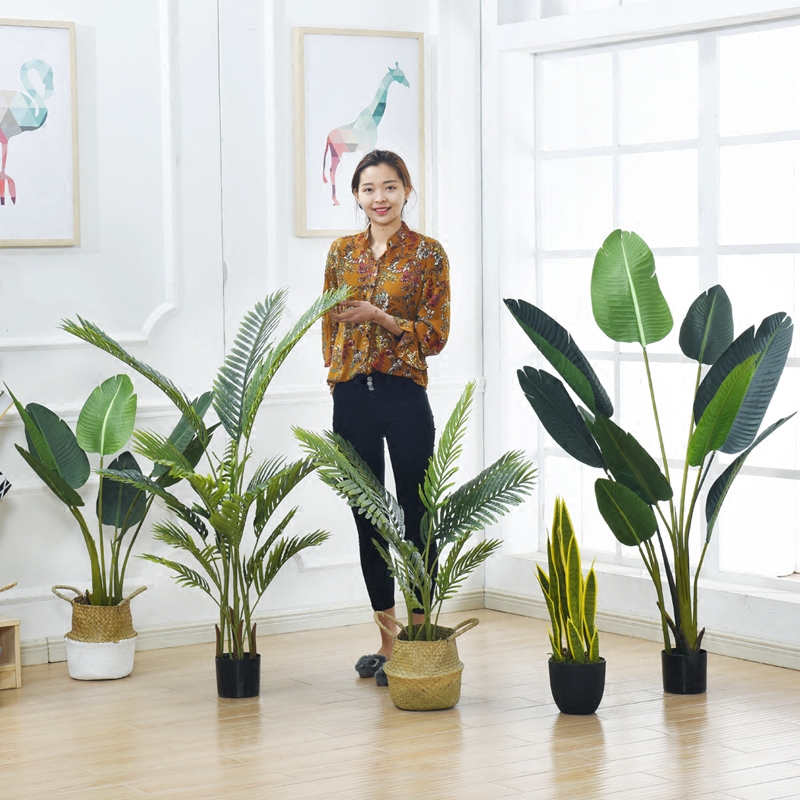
x: 513, y: 46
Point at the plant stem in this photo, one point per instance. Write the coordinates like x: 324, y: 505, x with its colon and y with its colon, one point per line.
x: 100, y: 534
x: 696, y: 579
x: 688, y: 440
x: 650, y: 560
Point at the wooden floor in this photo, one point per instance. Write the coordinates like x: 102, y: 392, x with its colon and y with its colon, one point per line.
x: 317, y: 731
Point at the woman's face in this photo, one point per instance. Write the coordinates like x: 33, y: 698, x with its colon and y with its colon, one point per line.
x: 381, y: 194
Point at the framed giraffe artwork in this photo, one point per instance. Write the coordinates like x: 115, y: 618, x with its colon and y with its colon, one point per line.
x: 354, y: 91
x: 39, y: 199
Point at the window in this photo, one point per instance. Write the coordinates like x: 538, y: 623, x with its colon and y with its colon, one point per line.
x: 694, y: 143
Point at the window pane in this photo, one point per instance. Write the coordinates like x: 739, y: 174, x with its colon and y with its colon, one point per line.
x: 658, y: 197
x: 674, y: 391
x: 658, y: 93
x: 576, y: 103
x: 574, y: 482
x: 759, y: 536
x: 566, y: 295
x: 759, y: 81
x: 577, y: 202
x: 759, y: 193
x: 777, y: 288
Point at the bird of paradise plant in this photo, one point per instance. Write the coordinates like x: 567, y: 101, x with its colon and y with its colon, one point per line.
x: 637, y: 498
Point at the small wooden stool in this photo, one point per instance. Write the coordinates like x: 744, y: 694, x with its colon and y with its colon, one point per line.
x: 10, y: 666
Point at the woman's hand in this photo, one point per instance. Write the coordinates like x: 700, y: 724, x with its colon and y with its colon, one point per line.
x: 355, y: 311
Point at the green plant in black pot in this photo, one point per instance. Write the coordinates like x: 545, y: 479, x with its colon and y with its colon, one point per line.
x: 644, y: 504
x: 430, y: 577
x: 577, y: 672
x: 235, y: 547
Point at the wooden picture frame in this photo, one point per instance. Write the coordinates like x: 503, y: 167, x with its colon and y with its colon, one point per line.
x: 346, y: 104
x: 39, y: 179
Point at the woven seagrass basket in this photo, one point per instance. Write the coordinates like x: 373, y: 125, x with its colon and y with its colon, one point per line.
x: 99, y: 623
x: 7, y: 587
x: 425, y: 676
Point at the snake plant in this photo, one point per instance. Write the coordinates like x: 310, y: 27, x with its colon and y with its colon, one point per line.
x: 571, y: 599
x: 427, y: 578
x: 225, y: 531
x: 640, y: 500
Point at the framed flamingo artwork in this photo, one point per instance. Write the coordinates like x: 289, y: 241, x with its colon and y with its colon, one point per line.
x: 38, y: 135
x: 354, y: 91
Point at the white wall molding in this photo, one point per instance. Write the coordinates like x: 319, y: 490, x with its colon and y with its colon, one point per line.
x: 764, y: 651
x: 156, y: 637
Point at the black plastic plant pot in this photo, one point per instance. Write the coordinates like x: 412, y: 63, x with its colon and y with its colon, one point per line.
x: 238, y: 678
x: 577, y: 688
x: 684, y: 674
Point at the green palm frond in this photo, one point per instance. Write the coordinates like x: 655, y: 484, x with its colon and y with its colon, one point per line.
x: 90, y: 333
x: 442, y: 468
x: 177, y: 537
x: 340, y: 467
x: 264, y: 573
x: 277, y: 532
x: 457, y: 567
x: 228, y: 519
x: 266, y: 370
x: 486, y: 498
x: 184, y: 576
x: 265, y: 471
x: 274, y: 490
x: 160, y: 450
x: 249, y: 348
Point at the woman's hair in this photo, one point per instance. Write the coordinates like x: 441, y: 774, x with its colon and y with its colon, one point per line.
x: 377, y: 157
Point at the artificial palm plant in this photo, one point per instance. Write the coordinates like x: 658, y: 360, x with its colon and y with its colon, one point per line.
x: 429, y: 577
x: 231, y: 566
x: 638, y: 498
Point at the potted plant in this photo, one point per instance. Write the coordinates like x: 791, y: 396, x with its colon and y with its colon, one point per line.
x: 231, y: 497
x: 577, y: 672
x: 637, y: 497
x: 424, y: 672
x: 102, y: 640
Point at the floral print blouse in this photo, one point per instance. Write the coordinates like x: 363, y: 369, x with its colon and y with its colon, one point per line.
x: 410, y: 281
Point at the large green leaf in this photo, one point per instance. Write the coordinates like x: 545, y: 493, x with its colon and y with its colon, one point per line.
x: 777, y: 331
x: 771, y: 343
x: 630, y: 519
x: 559, y: 348
x: 714, y: 426
x: 719, y: 490
x: 60, y: 488
x: 107, y: 418
x: 707, y: 330
x: 627, y: 302
x: 629, y: 462
x: 123, y: 505
x: 559, y: 415
x: 71, y: 462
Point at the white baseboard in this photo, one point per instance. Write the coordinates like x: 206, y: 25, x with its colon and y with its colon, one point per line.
x: 764, y: 651
x: 156, y: 637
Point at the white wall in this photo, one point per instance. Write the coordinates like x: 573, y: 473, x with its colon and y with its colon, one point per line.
x: 185, y: 119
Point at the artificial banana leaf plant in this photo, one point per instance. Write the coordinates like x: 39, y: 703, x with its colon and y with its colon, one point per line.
x: 429, y: 577
x: 226, y: 532
x: 571, y: 599
x: 645, y: 504
x: 59, y: 457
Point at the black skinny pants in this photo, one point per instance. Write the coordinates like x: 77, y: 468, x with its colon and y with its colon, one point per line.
x: 395, y: 409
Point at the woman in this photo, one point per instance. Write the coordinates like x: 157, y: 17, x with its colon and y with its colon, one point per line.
x: 376, y: 345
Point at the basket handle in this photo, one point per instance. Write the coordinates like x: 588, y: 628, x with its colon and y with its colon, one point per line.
x: 125, y: 601
x: 8, y: 586
x: 463, y: 627
x: 377, y: 617
x: 68, y: 588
